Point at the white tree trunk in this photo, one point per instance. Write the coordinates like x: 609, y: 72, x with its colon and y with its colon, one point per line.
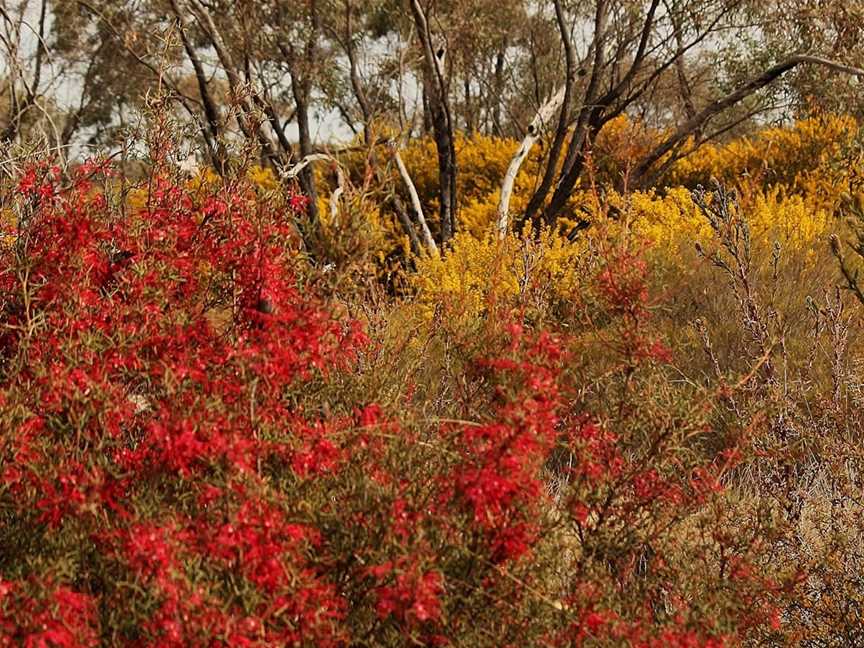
x: 544, y: 115
x: 415, y: 202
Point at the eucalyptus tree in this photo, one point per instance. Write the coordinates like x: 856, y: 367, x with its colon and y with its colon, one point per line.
x: 266, y: 72
x: 618, y: 53
x: 23, y: 64
x: 832, y: 29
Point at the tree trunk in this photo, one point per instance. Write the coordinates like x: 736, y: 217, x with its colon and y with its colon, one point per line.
x: 543, y: 116
x: 497, y: 131
x: 542, y: 191
x: 435, y: 91
x: 307, y: 175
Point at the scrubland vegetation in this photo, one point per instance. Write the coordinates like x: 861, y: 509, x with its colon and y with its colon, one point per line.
x: 351, y: 396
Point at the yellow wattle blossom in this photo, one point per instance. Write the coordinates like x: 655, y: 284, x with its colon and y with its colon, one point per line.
x: 792, y: 221
x: 667, y: 220
x: 263, y: 178
x: 477, y: 273
x: 8, y: 225
x: 673, y: 219
x: 810, y: 158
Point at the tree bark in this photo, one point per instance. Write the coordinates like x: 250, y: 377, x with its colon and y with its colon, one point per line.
x: 246, y: 107
x: 497, y: 131
x: 542, y: 190
x: 301, y: 89
x: 31, y: 90
x: 428, y: 239
x: 354, y: 75
x: 595, y: 114
x: 435, y: 92
x: 217, y: 151
x: 307, y: 177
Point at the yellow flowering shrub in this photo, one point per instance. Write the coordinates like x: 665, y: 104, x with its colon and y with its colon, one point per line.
x: 263, y: 178
x: 666, y: 220
x: 478, y: 273
x: 810, y: 158
x: 790, y: 181
x: 789, y: 220
x: 8, y: 223
x: 483, y: 161
x: 672, y: 220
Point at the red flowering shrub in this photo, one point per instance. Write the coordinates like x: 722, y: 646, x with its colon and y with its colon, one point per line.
x: 149, y: 368
x: 179, y: 467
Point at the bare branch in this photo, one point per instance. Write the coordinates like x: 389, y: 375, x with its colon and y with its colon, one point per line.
x: 543, y: 116
x: 428, y: 239
x: 699, y: 120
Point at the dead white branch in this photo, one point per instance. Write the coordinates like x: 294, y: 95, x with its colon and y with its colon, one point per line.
x: 535, y: 128
x: 428, y: 239
x: 336, y: 196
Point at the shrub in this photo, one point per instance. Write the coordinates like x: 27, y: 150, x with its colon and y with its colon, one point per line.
x: 149, y: 366
x: 187, y: 460
x: 815, y: 158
